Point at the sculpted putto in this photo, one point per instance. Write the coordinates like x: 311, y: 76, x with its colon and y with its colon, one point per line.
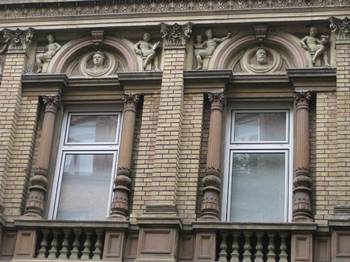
x: 147, y: 51
x: 51, y: 49
x: 207, y: 47
x: 316, y: 47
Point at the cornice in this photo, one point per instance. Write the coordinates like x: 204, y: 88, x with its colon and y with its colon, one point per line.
x: 49, y: 8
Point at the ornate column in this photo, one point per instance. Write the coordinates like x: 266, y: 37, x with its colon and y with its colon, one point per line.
x: 302, y: 181
x: 38, y: 183
x: 120, y: 203
x: 212, y: 179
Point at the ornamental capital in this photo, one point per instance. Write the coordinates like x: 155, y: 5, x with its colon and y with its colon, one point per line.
x: 131, y: 99
x: 51, y: 103
x: 216, y: 98
x: 15, y: 40
x: 175, y: 35
x: 341, y: 27
x: 302, y: 99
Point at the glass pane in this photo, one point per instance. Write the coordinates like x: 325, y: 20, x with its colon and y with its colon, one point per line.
x: 92, y: 128
x: 258, y: 187
x: 264, y: 126
x: 85, y: 186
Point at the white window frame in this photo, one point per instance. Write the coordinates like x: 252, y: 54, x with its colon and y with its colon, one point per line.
x: 84, y: 148
x: 232, y: 147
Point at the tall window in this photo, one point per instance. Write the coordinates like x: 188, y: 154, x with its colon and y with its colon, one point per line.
x: 86, y: 164
x: 258, y: 164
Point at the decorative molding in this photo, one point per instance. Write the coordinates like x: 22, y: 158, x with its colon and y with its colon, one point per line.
x: 341, y: 27
x: 175, y: 35
x: 260, y: 32
x: 97, y: 37
x: 15, y: 40
x: 91, y: 8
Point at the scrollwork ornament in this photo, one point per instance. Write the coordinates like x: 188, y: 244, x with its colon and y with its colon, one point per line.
x: 341, y: 27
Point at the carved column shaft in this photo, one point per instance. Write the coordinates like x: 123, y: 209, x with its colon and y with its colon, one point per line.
x: 120, y: 204
x: 38, y: 183
x: 302, y: 181
x: 212, y: 181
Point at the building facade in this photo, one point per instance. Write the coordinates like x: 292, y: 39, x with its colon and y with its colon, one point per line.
x: 175, y: 130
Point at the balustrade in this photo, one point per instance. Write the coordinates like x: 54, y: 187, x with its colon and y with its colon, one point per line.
x: 84, y: 244
x: 253, y: 246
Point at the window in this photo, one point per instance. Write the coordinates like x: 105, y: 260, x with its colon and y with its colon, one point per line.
x: 258, y: 163
x: 86, y: 164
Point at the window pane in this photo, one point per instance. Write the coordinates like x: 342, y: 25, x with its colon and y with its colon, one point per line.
x: 258, y: 187
x: 92, y: 128
x: 264, y: 126
x: 85, y: 186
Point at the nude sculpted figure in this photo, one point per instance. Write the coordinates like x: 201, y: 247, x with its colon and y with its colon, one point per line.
x: 207, y: 47
x: 316, y: 46
x: 147, y: 51
x: 51, y: 50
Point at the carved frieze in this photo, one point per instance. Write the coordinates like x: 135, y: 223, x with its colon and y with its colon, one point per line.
x: 153, y: 7
x: 15, y: 40
x: 341, y: 27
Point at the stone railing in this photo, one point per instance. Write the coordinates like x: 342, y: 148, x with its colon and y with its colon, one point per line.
x: 67, y: 243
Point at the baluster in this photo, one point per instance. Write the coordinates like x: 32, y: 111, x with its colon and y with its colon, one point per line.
x: 43, y: 245
x: 271, y: 255
x: 87, y: 246
x: 54, y: 245
x: 223, y: 249
x: 235, y: 248
x: 247, y: 255
x: 283, y: 254
x: 259, y: 256
x: 65, y: 243
x: 75, y: 250
x: 96, y: 254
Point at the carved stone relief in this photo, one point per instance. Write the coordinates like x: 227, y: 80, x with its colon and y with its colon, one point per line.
x: 316, y: 48
x: 204, y: 49
x: 94, y: 64
x: 16, y: 40
x: 341, y: 27
x: 43, y: 59
x: 260, y: 60
x: 148, y: 52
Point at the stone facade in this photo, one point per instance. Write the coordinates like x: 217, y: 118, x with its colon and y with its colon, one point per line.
x: 175, y: 93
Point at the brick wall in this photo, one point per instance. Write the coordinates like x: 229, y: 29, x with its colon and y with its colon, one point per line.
x: 21, y: 159
x: 190, y: 152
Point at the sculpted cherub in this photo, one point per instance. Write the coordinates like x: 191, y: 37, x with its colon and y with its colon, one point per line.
x: 51, y: 49
x: 209, y: 47
x: 147, y: 51
x: 317, y: 47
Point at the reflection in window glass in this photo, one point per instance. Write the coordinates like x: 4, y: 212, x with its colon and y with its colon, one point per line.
x: 258, y: 187
x: 85, y: 186
x: 260, y: 126
x: 92, y: 128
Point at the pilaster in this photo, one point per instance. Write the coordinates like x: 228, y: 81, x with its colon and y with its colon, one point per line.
x: 168, y: 135
x: 14, y: 43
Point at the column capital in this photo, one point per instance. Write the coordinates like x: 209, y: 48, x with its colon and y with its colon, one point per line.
x: 130, y: 101
x: 341, y: 27
x: 51, y: 103
x: 15, y: 40
x: 302, y: 99
x: 216, y: 100
x: 175, y: 35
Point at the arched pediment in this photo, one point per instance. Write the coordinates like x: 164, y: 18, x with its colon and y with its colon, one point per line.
x: 244, y: 53
x: 76, y: 58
